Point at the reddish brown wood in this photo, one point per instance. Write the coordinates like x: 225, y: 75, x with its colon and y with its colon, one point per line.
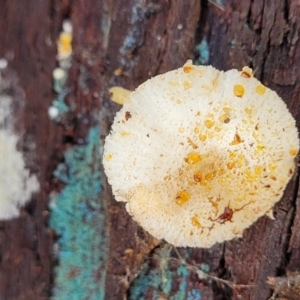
x: 26, y: 243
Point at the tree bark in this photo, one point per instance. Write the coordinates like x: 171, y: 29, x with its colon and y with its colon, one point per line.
x: 124, y: 43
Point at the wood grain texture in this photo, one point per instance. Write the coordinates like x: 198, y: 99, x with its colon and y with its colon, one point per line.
x: 125, y: 43
x: 26, y: 243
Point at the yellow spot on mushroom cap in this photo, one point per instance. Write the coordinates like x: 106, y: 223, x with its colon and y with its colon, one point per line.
x: 193, y: 158
x: 196, y: 222
x: 209, y: 176
x: 293, y: 152
x: 230, y: 166
x: 260, y: 147
x: 255, y: 133
x: 196, y: 130
x: 239, y: 90
x: 258, y: 170
x: 182, y: 197
x: 209, y: 123
x: 218, y: 128
x: 248, y: 110
x: 187, y: 84
x: 202, y: 137
x: 108, y: 157
x: 168, y: 185
x: 260, y: 89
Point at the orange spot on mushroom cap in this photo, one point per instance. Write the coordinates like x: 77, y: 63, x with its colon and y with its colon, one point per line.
x: 187, y: 69
x: 230, y: 165
x: 198, y: 177
x: 247, y: 72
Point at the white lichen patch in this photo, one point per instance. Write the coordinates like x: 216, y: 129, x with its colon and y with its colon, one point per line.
x: 198, y: 155
x: 16, y: 183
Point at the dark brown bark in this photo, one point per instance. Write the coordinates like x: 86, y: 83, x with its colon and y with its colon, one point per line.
x: 263, y: 34
x: 26, y: 243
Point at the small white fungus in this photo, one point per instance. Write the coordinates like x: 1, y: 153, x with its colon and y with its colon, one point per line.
x: 58, y: 73
x: 198, y: 154
x: 67, y: 26
x: 3, y: 63
x: 53, y: 112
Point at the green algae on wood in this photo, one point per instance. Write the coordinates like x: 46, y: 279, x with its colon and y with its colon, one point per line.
x: 78, y: 218
x: 158, y: 276
x: 203, y: 53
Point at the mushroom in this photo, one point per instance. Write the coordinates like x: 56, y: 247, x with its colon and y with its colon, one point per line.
x: 204, y: 154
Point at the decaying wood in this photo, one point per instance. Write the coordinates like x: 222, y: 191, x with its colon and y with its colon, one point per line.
x: 262, y: 34
x: 287, y: 287
x: 25, y: 242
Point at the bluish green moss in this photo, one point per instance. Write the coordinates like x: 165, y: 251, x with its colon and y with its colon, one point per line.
x: 78, y: 218
x: 202, y: 53
x: 152, y: 278
x: 59, y: 102
x: 194, y: 295
x: 183, y: 273
x: 159, y: 280
x: 205, y: 268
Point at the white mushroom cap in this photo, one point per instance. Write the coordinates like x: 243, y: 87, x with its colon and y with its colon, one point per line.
x: 198, y: 154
